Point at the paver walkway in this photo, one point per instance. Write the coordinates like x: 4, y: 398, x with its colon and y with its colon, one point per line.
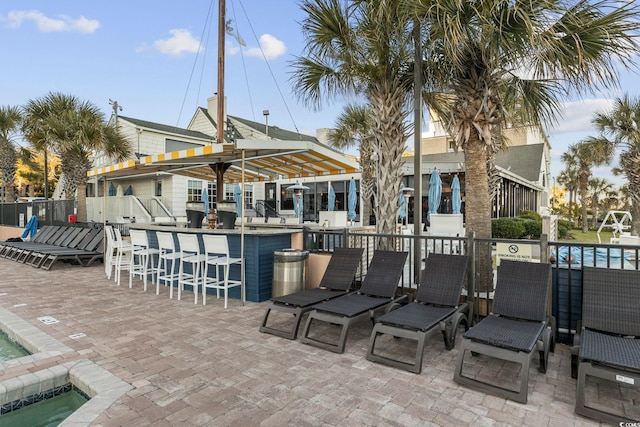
x: 206, y: 366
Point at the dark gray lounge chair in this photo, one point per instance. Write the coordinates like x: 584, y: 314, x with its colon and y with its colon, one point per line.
x: 378, y: 292
x: 517, y: 326
x: 41, y: 236
x: 336, y: 281
x: 607, y: 343
x: 90, y: 249
x: 18, y: 251
x: 437, y: 304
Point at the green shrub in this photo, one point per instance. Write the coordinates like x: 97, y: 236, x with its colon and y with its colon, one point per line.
x: 563, y: 231
x: 532, y: 228
x: 527, y: 214
x: 507, y: 228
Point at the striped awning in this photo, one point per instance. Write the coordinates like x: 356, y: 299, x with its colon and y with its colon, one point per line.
x: 265, y: 160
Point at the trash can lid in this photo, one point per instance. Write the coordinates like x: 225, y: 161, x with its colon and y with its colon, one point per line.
x: 290, y: 252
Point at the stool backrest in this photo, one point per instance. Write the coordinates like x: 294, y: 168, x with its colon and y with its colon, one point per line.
x: 165, y: 241
x: 216, y: 245
x: 139, y: 238
x: 188, y: 243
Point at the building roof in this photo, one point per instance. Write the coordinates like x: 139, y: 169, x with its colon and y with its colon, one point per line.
x: 524, y: 161
x: 274, y: 131
x: 166, y: 128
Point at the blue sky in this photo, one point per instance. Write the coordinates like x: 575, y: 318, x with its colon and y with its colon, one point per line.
x: 147, y: 55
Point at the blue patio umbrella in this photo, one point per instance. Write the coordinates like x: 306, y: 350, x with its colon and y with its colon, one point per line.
x: 128, y: 191
x: 456, y: 201
x: 112, y: 189
x: 352, y: 200
x: 31, y: 228
x: 435, y: 191
x: 205, y: 199
x: 237, y: 196
x: 332, y: 198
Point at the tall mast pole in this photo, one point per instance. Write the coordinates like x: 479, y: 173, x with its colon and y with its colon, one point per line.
x: 221, y: 37
x: 220, y: 168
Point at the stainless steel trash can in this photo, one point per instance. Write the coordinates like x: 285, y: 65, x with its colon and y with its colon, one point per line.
x: 288, y: 271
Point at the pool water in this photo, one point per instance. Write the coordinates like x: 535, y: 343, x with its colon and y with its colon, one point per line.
x: 10, y: 349
x: 46, y: 413
x: 593, y: 257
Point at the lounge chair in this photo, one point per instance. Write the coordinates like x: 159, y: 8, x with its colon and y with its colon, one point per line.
x: 88, y: 249
x: 378, y: 292
x: 437, y: 304
x: 67, y: 237
x: 18, y: 251
x: 516, y: 327
x: 41, y: 236
x: 607, y: 343
x: 336, y: 281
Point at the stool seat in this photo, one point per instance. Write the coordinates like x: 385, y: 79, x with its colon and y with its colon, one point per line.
x: 142, y: 257
x: 190, y: 255
x: 217, y: 256
x: 167, y: 260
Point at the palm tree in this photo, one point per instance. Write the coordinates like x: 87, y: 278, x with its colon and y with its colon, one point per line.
x: 620, y: 128
x: 75, y: 131
x: 600, y: 191
x: 519, y: 57
x: 583, y: 156
x: 569, y: 179
x: 353, y: 127
x: 363, y: 49
x: 10, y: 119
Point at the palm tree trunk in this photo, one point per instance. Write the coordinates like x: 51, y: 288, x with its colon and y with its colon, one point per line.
x: 478, y: 207
x: 388, y: 114
x: 81, y: 202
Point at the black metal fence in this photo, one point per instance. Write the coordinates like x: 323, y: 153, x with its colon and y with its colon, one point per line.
x: 49, y: 212
x: 566, y: 258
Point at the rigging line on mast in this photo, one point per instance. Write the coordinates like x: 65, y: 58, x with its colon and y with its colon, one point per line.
x: 244, y: 67
x: 269, y: 68
x: 195, y: 61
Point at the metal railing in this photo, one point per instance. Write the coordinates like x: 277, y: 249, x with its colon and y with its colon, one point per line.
x: 566, y: 258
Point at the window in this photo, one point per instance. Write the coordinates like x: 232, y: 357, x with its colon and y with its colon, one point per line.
x: 194, y: 191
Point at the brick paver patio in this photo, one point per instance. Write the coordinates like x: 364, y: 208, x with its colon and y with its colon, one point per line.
x: 206, y: 366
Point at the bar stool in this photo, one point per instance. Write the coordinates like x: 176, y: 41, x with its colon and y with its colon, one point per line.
x: 189, y: 254
x: 217, y: 250
x: 109, y: 253
x: 141, y: 257
x: 167, y: 260
x: 123, y: 254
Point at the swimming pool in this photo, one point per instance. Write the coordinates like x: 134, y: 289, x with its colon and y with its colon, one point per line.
x: 594, y: 257
x: 9, y: 349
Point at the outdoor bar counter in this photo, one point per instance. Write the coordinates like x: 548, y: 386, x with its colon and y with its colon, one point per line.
x: 259, y: 246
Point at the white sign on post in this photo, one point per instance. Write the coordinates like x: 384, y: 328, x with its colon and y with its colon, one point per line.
x: 513, y: 251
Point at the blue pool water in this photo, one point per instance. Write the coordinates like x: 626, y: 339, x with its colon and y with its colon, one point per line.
x: 10, y: 349
x: 593, y: 257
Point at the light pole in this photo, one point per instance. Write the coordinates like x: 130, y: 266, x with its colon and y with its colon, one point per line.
x: 375, y: 159
x: 265, y: 113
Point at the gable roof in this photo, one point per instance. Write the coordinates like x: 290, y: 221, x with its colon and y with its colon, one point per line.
x: 166, y: 128
x: 274, y: 131
x: 524, y: 161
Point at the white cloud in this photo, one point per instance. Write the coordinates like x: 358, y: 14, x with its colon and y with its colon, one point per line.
x: 181, y: 41
x: 270, y: 46
x: 577, y: 116
x: 48, y: 25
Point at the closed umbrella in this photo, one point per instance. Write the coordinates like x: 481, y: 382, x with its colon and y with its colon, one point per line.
x: 332, y: 198
x: 435, y: 191
x: 456, y: 201
x: 30, y: 229
x: 352, y: 200
x: 205, y: 199
x: 402, y: 201
x: 237, y: 196
x: 112, y: 189
x: 128, y: 191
